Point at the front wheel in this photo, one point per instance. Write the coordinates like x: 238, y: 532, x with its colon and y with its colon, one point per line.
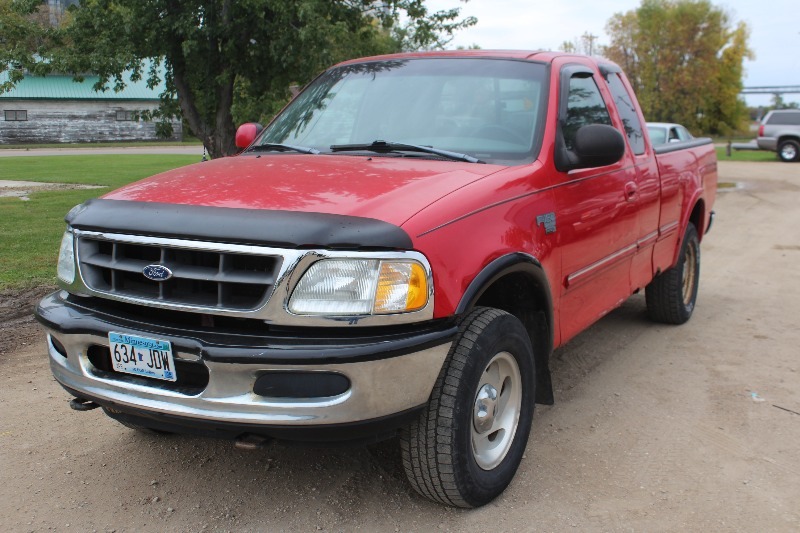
x: 789, y: 151
x: 466, y: 446
x: 672, y: 295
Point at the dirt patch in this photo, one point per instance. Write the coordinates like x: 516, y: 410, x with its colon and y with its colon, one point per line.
x: 17, y: 325
x: 21, y: 189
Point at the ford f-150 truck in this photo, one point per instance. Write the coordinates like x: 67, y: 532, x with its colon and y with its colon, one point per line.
x: 397, y: 253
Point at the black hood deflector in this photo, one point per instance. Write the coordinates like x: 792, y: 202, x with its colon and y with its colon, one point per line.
x: 283, y: 229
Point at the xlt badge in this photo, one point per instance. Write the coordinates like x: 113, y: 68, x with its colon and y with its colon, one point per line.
x: 549, y: 222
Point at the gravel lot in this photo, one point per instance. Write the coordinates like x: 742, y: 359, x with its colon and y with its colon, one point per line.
x: 655, y: 428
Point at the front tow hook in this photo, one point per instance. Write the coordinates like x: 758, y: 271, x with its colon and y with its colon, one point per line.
x: 82, y: 404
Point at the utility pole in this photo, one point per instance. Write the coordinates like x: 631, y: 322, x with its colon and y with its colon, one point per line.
x: 589, y: 39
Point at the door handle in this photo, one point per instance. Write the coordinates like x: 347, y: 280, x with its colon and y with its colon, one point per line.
x: 630, y: 191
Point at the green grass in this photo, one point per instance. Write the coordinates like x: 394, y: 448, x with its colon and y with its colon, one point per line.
x: 107, y: 170
x: 30, y: 231
x: 746, y: 155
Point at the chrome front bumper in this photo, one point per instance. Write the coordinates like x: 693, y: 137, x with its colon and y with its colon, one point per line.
x: 388, y: 382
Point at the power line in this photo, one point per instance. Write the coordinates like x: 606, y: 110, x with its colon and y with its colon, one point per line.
x: 777, y: 89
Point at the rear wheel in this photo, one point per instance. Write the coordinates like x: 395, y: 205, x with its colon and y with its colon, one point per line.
x: 466, y: 446
x: 672, y: 295
x: 789, y: 151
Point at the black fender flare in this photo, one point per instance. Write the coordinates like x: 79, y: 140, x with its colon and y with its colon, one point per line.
x: 542, y: 326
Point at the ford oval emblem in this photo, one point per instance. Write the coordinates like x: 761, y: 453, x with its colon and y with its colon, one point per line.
x: 157, y: 272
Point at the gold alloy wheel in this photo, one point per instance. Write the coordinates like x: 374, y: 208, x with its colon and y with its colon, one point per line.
x: 689, y: 273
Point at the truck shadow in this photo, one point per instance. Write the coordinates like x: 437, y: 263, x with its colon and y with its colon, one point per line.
x: 339, y: 484
x: 570, y: 363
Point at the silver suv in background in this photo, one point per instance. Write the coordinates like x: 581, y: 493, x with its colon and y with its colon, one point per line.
x: 780, y: 132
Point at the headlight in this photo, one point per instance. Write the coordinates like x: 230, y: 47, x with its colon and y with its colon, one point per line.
x: 66, y: 258
x: 360, y: 287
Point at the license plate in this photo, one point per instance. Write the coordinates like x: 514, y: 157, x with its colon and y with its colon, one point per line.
x: 151, y: 358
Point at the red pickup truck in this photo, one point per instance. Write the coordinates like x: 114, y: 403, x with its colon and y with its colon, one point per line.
x: 396, y: 254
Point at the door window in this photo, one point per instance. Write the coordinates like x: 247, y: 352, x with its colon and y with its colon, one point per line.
x: 584, y: 106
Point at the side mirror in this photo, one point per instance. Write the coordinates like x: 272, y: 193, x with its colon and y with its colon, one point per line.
x: 595, y: 145
x: 247, y: 133
x: 598, y: 145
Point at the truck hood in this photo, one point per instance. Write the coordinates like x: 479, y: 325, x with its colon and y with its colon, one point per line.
x: 391, y: 189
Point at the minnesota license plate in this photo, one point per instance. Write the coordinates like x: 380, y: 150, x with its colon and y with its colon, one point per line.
x: 151, y: 358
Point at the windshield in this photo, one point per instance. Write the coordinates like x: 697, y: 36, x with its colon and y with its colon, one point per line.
x: 490, y: 109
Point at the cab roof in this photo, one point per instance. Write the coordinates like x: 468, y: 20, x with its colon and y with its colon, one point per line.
x: 543, y: 56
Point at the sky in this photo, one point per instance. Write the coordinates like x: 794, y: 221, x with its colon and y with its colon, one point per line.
x: 545, y: 24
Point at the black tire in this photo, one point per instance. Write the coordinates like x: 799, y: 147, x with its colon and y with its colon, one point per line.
x: 439, y: 448
x: 672, y: 295
x: 789, y: 151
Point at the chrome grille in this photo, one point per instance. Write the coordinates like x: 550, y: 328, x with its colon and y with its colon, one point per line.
x: 204, y: 278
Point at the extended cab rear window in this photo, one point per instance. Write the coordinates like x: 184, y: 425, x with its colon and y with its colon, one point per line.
x: 491, y: 109
x: 627, y: 112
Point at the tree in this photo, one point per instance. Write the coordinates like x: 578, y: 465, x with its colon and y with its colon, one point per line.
x: 685, y: 60
x: 226, y: 59
x: 585, y: 44
x: 24, y: 34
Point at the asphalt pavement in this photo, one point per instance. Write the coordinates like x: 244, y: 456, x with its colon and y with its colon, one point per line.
x: 194, y: 149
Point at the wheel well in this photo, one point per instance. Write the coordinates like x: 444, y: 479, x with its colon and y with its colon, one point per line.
x: 698, y: 218
x: 784, y: 138
x: 527, y: 298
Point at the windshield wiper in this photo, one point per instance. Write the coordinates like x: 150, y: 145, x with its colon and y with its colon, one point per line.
x: 282, y: 148
x: 384, y: 147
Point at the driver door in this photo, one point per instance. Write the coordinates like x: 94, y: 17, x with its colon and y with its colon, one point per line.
x: 597, y: 222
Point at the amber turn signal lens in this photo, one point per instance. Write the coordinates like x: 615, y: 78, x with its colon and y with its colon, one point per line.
x: 417, y: 288
x: 402, y: 287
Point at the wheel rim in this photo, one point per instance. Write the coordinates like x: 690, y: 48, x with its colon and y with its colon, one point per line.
x: 788, y: 151
x: 497, y: 406
x: 689, y: 273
